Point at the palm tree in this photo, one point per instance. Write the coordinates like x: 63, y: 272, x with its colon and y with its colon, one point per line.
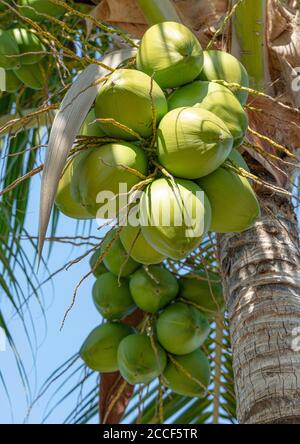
x: 259, y: 267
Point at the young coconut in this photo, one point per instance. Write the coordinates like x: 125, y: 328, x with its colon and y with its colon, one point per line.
x: 138, y: 361
x: 100, y: 349
x: 139, y: 249
x: 33, y: 78
x: 128, y: 97
x: 91, y: 127
x: 9, y: 51
x: 153, y: 289
x: 100, y: 268
x: 116, y: 259
x: 192, y: 142
x: 111, y: 297
x: 33, y: 9
x: 28, y: 42
x: 205, y: 290
x: 220, y: 65
x: 233, y: 202
x: 102, y: 170
x: 188, y: 375
x: 175, y: 215
x: 64, y: 201
x: 181, y: 328
x: 214, y: 98
x: 171, y: 53
x: 12, y: 83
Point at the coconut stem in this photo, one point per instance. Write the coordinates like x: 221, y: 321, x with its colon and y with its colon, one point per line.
x: 158, y: 11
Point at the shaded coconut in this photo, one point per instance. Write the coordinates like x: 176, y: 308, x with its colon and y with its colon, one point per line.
x: 12, y: 83
x: 28, y: 42
x: 205, y: 290
x: 192, y: 142
x: 102, y: 170
x: 214, y: 98
x: 191, y: 375
x: 171, y: 53
x: 181, y: 328
x: 136, y: 245
x: 111, y: 297
x: 153, y: 289
x: 220, y: 65
x: 34, y: 78
x: 139, y: 362
x: 33, y: 8
x: 174, y: 215
x: 100, y: 269
x: 116, y: 259
x: 233, y: 202
x: 9, y: 51
x: 128, y: 97
x: 64, y: 201
x: 99, y: 350
x: 91, y: 127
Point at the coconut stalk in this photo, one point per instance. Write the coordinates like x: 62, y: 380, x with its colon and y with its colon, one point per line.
x: 157, y: 11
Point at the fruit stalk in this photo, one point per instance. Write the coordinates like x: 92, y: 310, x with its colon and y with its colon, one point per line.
x: 158, y: 11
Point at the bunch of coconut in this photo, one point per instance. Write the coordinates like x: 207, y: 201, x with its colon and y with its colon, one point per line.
x: 177, y: 316
x: 22, y: 55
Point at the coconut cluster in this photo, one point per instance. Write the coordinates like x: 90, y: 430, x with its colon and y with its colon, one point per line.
x: 165, y: 125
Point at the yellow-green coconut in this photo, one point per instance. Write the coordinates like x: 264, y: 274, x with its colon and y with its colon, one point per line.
x: 91, y: 127
x: 12, y: 83
x: 34, y: 78
x: 9, y: 51
x: 28, y: 42
x: 98, y: 268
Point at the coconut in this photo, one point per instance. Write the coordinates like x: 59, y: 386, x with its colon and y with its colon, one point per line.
x: 33, y: 8
x: 219, y: 65
x: 192, y: 142
x: 171, y: 53
x: 64, y: 201
x: 174, y: 215
x: 90, y: 127
x: 116, y: 259
x: 112, y: 297
x: 99, y: 350
x: 139, y: 362
x: 102, y: 170
x: 181, y: 328
x: 214, y: 98
x: 153, y: 289
x: 128, y: 97
x: 190, y: 375
x: 12, y: 83
x: 28, y: 42
x: 233, y: 202
x: 100, y: 269
x: 136, y: 245
x: 9, y: 51
x: 205, y: 290
x: 34, y: 78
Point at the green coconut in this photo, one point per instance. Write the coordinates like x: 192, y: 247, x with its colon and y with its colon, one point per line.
x: 100, y: 268
x: 171, y: 53
x: 28, y: 42
x: 33, y: 8
x: 205, y: 290
x: 116, y: 259
x: 102, y: 170
x: 100, y: 349
x: 181, y: 328
x: 233, y: 202
x: 189, y: 375
x: 112, y: 297
x: 34, y: 78
x: 175, y: 216
x: 9, y: 51
x: 64, y: 201
x: 136, y: 245
x: 214, y: 98
x: 192, y: 142
x: 90, y: 127
x: 139, y: 362
x: 12, y: 83
x: 128, y: 97
x: 220, y: 65
x: 153, y: 289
